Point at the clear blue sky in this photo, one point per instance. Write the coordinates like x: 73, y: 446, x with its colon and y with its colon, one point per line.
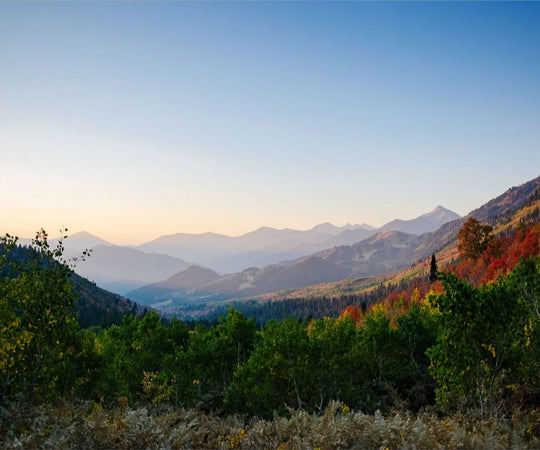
x: 135, y: 119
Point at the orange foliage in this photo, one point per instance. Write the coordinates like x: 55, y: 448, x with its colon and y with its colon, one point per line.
x: 353, y: 312
x: 473, y: 271
x: 502, y: 255
x: 397, y: 302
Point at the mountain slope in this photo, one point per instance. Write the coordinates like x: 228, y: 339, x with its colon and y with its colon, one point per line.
x: 513, y: 199
x: 497, y: 209
x: 384, y: 252
x: 96, y: 306
x: 257, y: 281
x: 177, y: 285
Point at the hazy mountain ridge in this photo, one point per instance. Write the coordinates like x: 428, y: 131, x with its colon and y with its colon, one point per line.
x: 74, y: 245
x: 267, y: 246
x: 226, y: 254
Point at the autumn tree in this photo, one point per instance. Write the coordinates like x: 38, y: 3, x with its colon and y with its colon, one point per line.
x: 354, y: 312
x: 474, y: 238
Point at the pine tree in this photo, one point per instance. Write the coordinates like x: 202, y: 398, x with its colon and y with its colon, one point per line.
x: 433, y: 269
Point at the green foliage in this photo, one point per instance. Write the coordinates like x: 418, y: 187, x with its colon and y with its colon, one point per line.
x: 146, y: 359
x: 417, y: 332
x: 305, y: 365
x: 36, y: 297
x: 394, y: 361
x: 479, y: 345
x: 526, y: 279
x: 526, y: 276
x: 213, y: 355
x: 274, y: 375
x: 139, y: 345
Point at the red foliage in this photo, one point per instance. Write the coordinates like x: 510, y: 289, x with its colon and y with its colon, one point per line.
x: 474, y: 271
x: 353, y: 312
x: 502, y: 255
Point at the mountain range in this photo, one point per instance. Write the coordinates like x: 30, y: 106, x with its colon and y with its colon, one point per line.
x: 123, y: 269
x: 377, y: 252
x: 383, y: 251
x: 261, y: 247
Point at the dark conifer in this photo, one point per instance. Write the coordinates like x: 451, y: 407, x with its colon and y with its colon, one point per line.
x: 433, y: 269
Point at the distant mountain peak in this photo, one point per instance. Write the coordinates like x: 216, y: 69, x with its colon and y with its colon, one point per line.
x: 441, y: 213
x: 325, y: 227
x: 328, y: 227
x: 84, y: 235
x: 441, y: 208
x: 81, y: 240
x: 428, y: 222
x: 266, y: 229
x: 364, y: 226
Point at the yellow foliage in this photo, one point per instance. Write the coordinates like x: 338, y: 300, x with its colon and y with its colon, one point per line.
x: 154, y: 389
x: 378, y: 308
x: 235, y: 440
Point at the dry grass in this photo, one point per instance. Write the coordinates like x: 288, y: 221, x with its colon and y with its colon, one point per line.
x: 89, y: 427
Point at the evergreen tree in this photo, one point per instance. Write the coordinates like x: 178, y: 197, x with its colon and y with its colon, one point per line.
x: 433, y: 269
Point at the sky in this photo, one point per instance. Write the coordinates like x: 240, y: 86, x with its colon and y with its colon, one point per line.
x: 132, y: 120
